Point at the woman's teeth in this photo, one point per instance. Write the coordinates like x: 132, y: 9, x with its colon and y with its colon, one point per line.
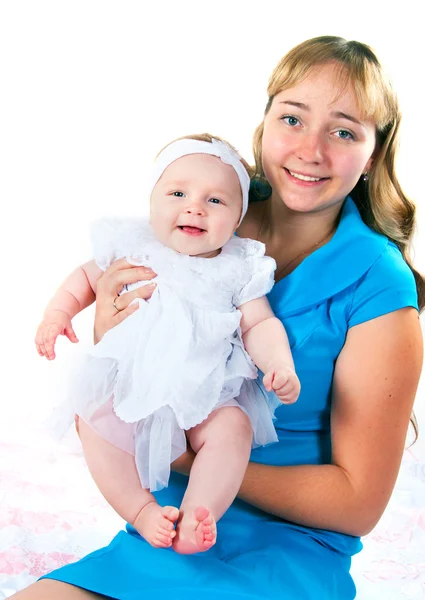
x: 304, y: 177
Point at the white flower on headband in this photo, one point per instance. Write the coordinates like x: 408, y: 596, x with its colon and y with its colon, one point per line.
x: 225, y: 152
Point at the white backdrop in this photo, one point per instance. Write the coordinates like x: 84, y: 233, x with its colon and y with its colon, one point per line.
x: 92, y: 89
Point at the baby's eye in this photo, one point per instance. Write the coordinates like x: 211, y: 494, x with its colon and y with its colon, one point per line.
x: 290, y: 120
x: 178, y: 194
x: 343, y: 134
x: 215, y: 200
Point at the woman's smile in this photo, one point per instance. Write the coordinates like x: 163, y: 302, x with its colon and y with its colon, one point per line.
x: 304, y: 179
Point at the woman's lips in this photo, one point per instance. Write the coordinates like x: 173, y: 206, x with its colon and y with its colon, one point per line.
x: 304, y: 180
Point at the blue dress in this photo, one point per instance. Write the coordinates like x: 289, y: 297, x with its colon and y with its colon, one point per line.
x: 357, y: 276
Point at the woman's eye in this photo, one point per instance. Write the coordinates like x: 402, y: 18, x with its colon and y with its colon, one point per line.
x: 178, y: 194
x: 215, y: 200
x: 343, y: 134
x: 289, y: 120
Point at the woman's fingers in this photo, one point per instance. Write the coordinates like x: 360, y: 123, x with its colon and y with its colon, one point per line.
x: 127, y: 276
x: 120, y: 273
x: 109, y: 286
x: 125, y: 312
x: 143, y: 292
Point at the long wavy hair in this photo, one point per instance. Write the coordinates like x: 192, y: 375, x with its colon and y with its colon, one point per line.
x: 381, y: 201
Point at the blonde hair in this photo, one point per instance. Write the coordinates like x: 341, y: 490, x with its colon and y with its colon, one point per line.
x: 381, y: 201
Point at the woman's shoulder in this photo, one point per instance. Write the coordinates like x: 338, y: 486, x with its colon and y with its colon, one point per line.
x: 391, y: 263
x: 358, y: 266
x: 388, y: 285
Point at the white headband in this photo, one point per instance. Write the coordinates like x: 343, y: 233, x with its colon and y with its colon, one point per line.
x: 215, y: 148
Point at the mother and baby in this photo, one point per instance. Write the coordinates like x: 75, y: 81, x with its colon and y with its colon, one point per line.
x: 287, y: 470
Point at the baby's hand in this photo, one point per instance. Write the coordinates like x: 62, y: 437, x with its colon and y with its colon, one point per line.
x: 55, y: 322
x: 284, y: 383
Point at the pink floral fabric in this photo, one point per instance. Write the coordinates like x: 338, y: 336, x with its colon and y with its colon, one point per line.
x: 51, y: 513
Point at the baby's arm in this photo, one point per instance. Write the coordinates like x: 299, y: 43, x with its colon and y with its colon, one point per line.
x: 76, y: 293
x: 266, y: 342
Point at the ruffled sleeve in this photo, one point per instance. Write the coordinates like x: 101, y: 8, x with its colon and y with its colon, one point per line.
x: 117, y: 238
x: 387, y: 286
x: 257, y: 274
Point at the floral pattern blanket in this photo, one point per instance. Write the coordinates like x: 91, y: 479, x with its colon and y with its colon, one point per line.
x: 51, y: 514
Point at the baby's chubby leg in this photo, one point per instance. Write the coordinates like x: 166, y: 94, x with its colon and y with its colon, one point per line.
x: 115, y: 474
x: 222, y: 444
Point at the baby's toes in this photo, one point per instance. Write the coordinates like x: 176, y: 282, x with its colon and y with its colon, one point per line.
x: 210, y: 532
x: 206, y: 528
x: 204, y: 515
x: 162, y: 541
x: 171, y: 533
x: 166, y: 525
x: 171, y: 513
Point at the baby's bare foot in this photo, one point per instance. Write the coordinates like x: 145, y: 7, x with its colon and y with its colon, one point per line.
x: 196, y: 532
x: 156, y: 524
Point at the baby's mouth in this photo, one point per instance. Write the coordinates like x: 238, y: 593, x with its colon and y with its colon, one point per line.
x: 191, y: 230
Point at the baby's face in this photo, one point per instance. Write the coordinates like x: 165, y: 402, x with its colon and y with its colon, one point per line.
x: 196, y: 205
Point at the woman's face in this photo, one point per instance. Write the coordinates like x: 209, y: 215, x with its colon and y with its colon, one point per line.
x: 315, y: 144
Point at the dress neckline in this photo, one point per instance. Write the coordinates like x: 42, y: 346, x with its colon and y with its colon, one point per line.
x: 350, y: 252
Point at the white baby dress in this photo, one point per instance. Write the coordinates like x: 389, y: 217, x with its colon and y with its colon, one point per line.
x: 180, y: 355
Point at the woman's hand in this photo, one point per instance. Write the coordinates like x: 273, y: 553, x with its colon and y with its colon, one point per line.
x: 112, y: 309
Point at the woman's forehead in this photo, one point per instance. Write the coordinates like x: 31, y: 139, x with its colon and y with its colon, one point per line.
x: 332, y: 85
x: 325, y: 83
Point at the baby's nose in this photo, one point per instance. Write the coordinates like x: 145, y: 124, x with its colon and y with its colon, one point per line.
x: 195, y: 208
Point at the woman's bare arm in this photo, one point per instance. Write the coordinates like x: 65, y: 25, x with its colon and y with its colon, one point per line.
x: 375, y: 382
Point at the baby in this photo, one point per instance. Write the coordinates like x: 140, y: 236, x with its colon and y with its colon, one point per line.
x: 181, y: 367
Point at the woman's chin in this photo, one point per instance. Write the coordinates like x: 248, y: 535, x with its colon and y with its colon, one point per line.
x: 309, y: 203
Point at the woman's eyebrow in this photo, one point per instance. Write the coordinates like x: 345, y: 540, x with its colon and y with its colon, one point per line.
x: 296, y: 104
x: 336, y: 114
x: 341, y: 115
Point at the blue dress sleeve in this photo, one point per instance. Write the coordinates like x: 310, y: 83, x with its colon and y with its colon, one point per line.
x: 387, y: 286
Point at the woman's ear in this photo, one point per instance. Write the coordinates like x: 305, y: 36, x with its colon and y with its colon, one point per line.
x: 369, y: 164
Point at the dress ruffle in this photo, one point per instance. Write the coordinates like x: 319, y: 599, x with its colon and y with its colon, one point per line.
x: 180, y: 356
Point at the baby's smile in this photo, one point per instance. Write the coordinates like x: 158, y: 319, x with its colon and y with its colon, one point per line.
x: 191, y: 230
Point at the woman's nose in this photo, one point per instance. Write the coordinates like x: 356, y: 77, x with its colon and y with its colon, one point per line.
x: 311, y: 148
